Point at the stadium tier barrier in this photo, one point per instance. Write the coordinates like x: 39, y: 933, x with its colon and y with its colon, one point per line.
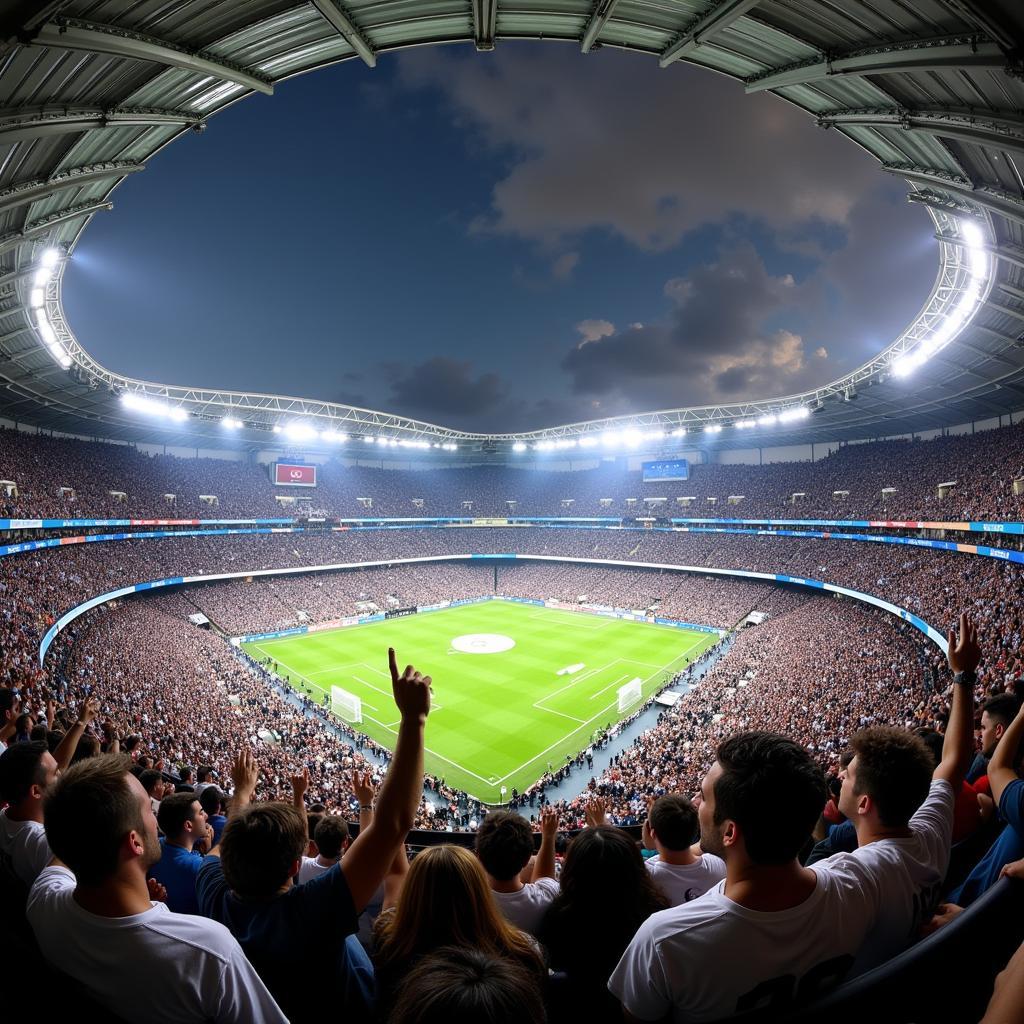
x: 174, y: 581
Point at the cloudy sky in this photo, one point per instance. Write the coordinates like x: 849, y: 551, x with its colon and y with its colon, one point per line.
x: 504, y: 241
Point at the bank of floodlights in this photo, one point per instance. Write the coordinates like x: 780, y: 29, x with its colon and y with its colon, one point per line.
x: 157, y: 407
x: 973, y: 242
x: 41, y: 278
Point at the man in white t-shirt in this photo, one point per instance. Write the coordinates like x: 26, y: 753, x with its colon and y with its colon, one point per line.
x: 773, y: 930
x: 96, y: 922
x: 331, y: 836
x: 27, y: 771
x: 681, y: 869
x: 504, y: 844
x: 902, y: 806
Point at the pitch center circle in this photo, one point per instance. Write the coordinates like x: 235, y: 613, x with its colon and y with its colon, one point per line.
x: 483, y: 643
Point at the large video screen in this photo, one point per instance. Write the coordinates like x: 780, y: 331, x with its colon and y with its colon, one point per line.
x: 676, y: 469
x: 290, y: 474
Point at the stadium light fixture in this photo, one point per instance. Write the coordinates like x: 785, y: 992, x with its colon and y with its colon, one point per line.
x: 369, y: 440
x: 713, y: 428
x: 588, y: 441
x: 796, y: 412
x: 299, y: 431
x: 768, y: 420
x: 50, y: 258
x: 277, y: 428
x: 632, y: 438
x: 746, y: 424
x: 41, y: 277
x: 231, y: 423
x: 679, y: 432
x: 153, y: 407
x: 519, y: 447
x: 36, y: 298
x: 450, y: 447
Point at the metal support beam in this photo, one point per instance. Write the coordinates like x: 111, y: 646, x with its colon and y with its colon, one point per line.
x: 1018, y: 314
x: 40, y: 227
x: 1002, y: 131
x: 24, y: 192
x: 92, y: 37
x: 34, y: 124
x: 1011, y: 254
x: 485, y: 23
x: 913, y: 55
x: 1015, y: 293
x: 602, y: 11
x: 977, y: 15
x: 717, y: 17
x: 341, y: 21
x: 985, y: 196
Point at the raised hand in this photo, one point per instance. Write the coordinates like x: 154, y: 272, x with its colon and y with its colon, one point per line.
x: 411, y: 689
x: 363, y: 788
x: 597, y: 812
x: 964, y: 655
x: 548, y: 822
x: 244, y: 773
x: 156, y: 890
x: 89, y: 710
x: 300, y: 783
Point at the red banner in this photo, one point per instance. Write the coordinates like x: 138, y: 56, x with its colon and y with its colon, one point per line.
x: 287, y: 474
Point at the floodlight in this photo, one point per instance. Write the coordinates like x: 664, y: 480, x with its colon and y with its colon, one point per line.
x: 655, y: 435
x: 972, y: 233
x: 36, y: 297
x: 519, y: 447
x: 46, y: 332
x: 41, y: 277
x: 588, y: 441
x: 907, y: 364
x: 768, y: 420
x: 176, y: 413
x: 746, y: 424
x: 369, y: 440
x: 50, y: 258
x: 277, y: 428
x: 231, y: 423
x: 796, y: 412
x: 299, y: 431
x: 713, y: 428
x: 679, y: 432
x: 65, y: 360
x: 632, y: 437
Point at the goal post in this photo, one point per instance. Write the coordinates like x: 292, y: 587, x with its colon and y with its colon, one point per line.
x: 630, y: 693
x: 345, y: 705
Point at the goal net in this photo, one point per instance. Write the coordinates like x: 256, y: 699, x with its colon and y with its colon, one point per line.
x: 346, y: 705
x: 630, y: 693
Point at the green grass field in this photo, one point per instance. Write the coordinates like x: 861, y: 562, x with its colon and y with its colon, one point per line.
x: 498, y: 719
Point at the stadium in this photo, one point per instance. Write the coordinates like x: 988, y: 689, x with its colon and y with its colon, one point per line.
x: 712, y: 710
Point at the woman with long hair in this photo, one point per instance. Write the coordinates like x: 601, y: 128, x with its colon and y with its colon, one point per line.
x: 607, y: 893
x: 445, y: 901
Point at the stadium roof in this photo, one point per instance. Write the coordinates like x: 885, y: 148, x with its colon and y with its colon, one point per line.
x: 91, y: 90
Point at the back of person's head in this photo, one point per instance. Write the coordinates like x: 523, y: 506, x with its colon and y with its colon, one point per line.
x: 88, y: 746
x: 186, y: 773
x: 447, y: 901
x: 150, y: 779
x: 894, y: 768
x: 175, y: 811
x: 772, y: 789
x: 211, y: 800
x: 204, y: 773
x: 464, y: 986
x: 933, y: 740
x: 39, y: 732
x: 604, y: 868
x: 504, y: 844
x: 21, y: 768
x: 330, y: 835
x: 673, y: 820
x: 89, y: 811
x: 259, y: 848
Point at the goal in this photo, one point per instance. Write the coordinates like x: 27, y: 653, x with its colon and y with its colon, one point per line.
x: 630, y: 693
x: 346, y: 705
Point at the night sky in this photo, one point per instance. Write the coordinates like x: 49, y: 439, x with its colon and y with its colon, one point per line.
x: 504, y: 241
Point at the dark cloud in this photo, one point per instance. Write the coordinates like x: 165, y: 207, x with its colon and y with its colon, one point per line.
x: 644, y: 153
x: 445, y: 388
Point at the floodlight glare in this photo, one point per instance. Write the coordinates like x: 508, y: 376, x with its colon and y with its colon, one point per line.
x: 41, y: 277
x: 36, y: 298
x: 588, y: 441
x: 632, y: 437
x: 907, y: 364
x: 231, y: 423
x: 679, y: 432
x: 50, y: 257
x: 746, y: 424
x: 369, y: 440
x: 299, y: 431
x: 972, y: 233
x: 768, y: 420
x: 176, y: 413
x: 713, y: 428
x: 46, y: 332
x: 519, y: 447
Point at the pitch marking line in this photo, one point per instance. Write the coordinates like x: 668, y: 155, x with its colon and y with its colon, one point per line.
x: 594, y: 696
x: 593, y: 718
x: 549, y: 616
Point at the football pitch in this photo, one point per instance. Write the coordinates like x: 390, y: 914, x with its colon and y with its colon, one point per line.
x: 517, y: 687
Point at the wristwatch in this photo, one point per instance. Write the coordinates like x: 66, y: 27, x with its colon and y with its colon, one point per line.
x: 965, y: 678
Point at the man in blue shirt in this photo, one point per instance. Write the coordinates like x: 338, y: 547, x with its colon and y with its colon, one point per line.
x: 212, y: 801
x: 183, y: 823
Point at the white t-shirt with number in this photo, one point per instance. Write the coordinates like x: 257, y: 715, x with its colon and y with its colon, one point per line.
x: 911, y: 872
x: 684, y: 882
x: 712, y: 957
x: 157, y: 966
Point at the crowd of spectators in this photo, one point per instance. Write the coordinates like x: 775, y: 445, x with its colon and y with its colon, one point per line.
x: 882, y: 480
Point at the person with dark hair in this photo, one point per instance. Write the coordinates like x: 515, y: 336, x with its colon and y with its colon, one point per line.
x: 153, y: 783
x: 294, y: 932
x: 27, y: 771
x: 212, y: 801
x: 94, y: 920
x: 186, y: 780
x: 778, y: 920
x: 183, y: 822
x: 504, y: 845
x: 681, y: 869
x: 996, y: 715
x: 204, y: 777
x: 606, y: 894
x: 902, y: 805
x: 456, y: 985
x: 331, y: 836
